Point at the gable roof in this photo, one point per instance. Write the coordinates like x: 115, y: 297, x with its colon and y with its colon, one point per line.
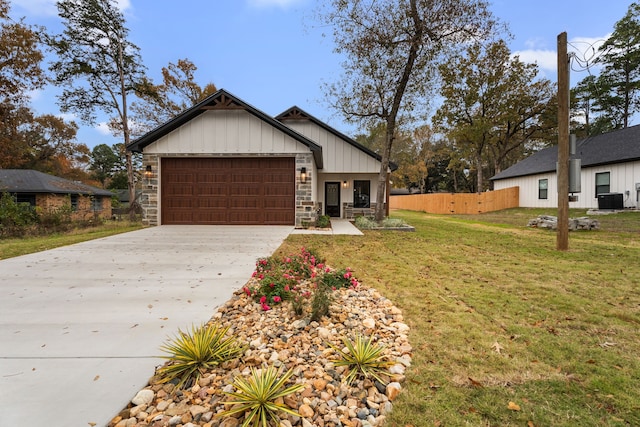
x: 222, y: 100
x: 619, y: 146
x: 297, y: 113
x: 31, y: 181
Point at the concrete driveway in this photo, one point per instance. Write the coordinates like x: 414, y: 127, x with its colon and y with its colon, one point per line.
x: 81, y: 326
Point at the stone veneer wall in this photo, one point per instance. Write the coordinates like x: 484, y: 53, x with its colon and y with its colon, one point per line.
x: 149, y: 199
x: 305, y: 206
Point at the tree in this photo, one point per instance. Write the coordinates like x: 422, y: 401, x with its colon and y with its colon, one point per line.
x: 177, y: 92
x: 492, y: 106
x: 104, y: 162
x: 619, y: 81
x: 20, y: 58
x: 98, y: 67
x: 391, y: 49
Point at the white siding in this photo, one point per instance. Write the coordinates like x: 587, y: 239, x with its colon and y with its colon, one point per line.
x: 338, y: 155
x: 623, y: 179
x: 226, y: 132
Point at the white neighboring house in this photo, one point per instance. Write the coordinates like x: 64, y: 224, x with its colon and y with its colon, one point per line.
x: 610, y: 173
x: 225, y: 162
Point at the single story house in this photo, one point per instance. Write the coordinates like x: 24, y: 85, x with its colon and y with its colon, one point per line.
x: 225, y: 162
x: 610, y: 173
x: 48, y: 192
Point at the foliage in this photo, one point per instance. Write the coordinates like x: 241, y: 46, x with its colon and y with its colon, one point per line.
x: 321, y: 301
x: 257, y: 397
x: 363, y: 358
x: 20, y: 58
x: 15, y: 218
x: 391, y: 50
x: 337, y: 279
x: 492, y: 107
x: 366, y: 223
x: 105, y: 163
x: 393, y: 223
x: 566, y: 323
x: 178, y: 91
x: 98, y: 67
x: 323, y: 221
x: 619, y: 81
x: 192, y: 353
x: 55, y: 219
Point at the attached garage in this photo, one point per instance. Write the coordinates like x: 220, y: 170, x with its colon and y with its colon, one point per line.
x: 236, y: 191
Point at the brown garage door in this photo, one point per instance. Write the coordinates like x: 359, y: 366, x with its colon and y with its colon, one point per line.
x: 228, y: 191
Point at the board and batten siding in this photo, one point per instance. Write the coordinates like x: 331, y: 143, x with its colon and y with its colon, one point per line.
x: 623, y: 179
x: 338, y: 155
x: 226, y: 132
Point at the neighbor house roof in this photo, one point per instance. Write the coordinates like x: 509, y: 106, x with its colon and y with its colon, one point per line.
x: 297, y: 113
x: 31, y: 181
x: 619, y: 146
x: 222, y: 100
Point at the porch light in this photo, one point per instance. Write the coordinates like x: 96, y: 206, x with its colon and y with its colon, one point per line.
x: 303, y: 175
x: 148, y: 172
x: 344, y: 184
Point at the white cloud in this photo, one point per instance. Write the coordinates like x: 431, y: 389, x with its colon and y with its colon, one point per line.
x: 584, y: 49
x: 48, y: 7
x: 37, y: 7
x: 270, y: 3
x: 103, y: 128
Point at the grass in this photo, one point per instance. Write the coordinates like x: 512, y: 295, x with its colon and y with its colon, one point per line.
x: 498, y: 316
x: 26, y: 245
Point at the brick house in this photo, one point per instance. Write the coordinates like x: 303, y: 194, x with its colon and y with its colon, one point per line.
x: 48, y: 192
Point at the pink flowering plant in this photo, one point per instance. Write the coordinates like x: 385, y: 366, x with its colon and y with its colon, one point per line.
x: 293, y: 277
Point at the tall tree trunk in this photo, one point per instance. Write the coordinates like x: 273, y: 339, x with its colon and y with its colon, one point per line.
x: 479, y: 185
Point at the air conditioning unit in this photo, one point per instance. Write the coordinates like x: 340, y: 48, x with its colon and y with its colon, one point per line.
x: 610, y: 201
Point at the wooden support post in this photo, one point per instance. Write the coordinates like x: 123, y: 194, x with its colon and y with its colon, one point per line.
x: 562, y: 243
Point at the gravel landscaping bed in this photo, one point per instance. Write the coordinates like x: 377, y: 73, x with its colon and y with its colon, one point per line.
x: 279, y: 338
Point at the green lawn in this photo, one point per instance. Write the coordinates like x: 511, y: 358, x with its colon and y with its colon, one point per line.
x: 25, y: 245
x: 506, y: 330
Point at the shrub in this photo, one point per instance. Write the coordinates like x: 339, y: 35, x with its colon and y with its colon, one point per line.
x: 363, y: 358
x: 336, y: 279
x: 15, y: 218
x: 257, y: 397
x: 323, y: 221
x: 366, y: 223
x: 393, y: 223
x: 321, y: 302
x: 55, y: 219
x: 193, y: 353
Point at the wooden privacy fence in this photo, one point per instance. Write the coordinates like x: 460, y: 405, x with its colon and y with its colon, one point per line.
x: 458, y: 203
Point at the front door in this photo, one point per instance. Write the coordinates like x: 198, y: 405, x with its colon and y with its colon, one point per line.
x: 332, y: 199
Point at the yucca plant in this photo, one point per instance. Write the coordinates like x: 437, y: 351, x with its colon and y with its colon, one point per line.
x: 191, y: 354
x: 362, y: 357
x: 256, y: 397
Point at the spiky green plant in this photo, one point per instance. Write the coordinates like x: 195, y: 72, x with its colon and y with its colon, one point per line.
x: 256, y: 397
x: 191, y: 354
x: 362, y: 357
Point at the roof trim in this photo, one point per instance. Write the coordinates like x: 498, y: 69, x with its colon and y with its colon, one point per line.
x: 616, y: 147
x: 31, y: 181
x: 222, y: 100
x: 297, y: 113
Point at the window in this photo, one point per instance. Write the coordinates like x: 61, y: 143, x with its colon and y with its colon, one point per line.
x: 74, y: 202
x: 26, y: 198
x: 361, y: 194
x: 96, y: 203
x: 543, y: 189
x: 603, y: 183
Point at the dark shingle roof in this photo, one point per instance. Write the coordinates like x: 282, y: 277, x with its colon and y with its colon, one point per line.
x: 222, y: 100
x: 31, y: 181
x: 620, y: 146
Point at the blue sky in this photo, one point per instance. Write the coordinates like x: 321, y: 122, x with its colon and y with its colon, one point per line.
x: 271, y: 53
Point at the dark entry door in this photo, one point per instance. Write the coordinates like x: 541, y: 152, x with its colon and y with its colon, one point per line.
x: 332, y: 199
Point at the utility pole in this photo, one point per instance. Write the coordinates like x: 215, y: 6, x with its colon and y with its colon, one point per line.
x: 562, y: 243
